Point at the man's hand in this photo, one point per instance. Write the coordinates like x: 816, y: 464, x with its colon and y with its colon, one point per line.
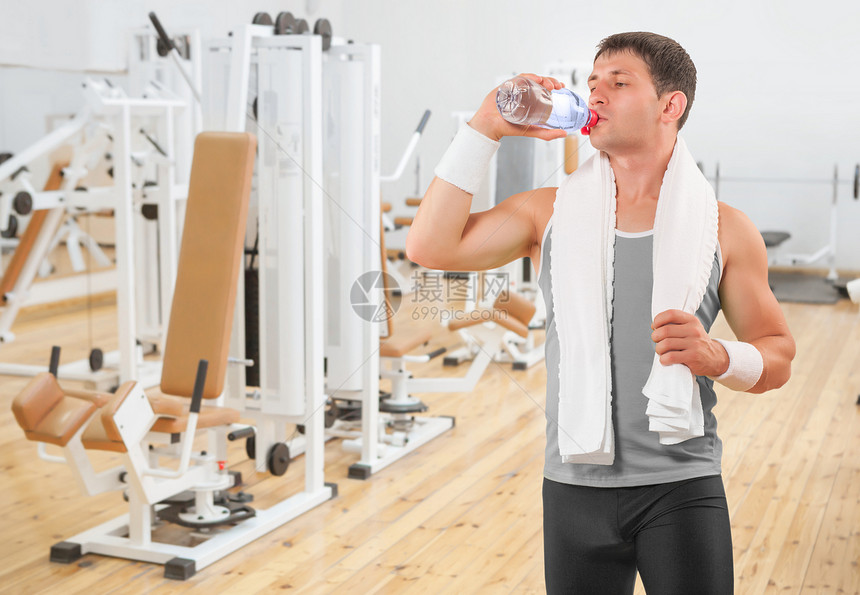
x: 681, y: 339
x: 489, y: 122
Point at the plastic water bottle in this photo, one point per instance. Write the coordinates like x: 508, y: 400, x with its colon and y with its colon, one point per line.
x: 523, y: 101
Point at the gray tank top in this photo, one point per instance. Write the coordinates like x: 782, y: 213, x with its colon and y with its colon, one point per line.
x: 640, y: 459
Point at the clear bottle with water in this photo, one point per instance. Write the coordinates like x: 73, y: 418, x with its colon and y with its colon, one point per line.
x: 522, y: 101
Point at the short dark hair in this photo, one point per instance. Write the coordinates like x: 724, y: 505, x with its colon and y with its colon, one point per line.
x: 670, y: 65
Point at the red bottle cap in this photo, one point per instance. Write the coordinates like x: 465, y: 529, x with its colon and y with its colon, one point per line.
x: 586, y: 130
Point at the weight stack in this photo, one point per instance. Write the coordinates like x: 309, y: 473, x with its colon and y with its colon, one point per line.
x: 252, y: 326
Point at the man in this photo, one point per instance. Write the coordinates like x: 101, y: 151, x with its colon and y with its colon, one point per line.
x: 660, y: 506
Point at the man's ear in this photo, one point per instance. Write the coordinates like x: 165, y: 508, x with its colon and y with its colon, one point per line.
x: 674, y: 106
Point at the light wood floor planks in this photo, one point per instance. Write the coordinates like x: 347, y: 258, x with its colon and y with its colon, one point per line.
x: 463, y: 513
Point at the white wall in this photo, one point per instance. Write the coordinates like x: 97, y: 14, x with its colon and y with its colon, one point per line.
x: 777, y: 95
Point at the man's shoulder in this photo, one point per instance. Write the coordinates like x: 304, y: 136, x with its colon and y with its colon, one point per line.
x: 737, y: 232
x: 734, y: 221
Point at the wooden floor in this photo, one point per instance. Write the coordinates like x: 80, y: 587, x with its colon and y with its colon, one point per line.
x: 463, y: 513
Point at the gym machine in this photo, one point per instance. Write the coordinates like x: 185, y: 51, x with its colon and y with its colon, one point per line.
x: 504, y: 331
x: 381, y: 427
x: 773, y: 239
x: 290, y: 243
x: 191, y: 489
x: 314, y: 103
x: 283, y: 75
x: 139, y: 136
x: 44, y: 164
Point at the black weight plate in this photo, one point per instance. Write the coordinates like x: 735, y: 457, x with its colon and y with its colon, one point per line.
x: 149, y: 211
x: 279, y: 459
x: 285, y: 23
x: 97, y: 359
x: 251, y: 447
x: 262, y: 18
x: 301, y: 26
x: 23, y: 203
x: 323, y: 27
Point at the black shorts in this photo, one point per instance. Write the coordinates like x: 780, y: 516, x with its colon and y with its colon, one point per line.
x: 677, y: 535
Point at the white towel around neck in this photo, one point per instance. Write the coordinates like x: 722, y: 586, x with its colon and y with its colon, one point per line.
x: 582, y: 272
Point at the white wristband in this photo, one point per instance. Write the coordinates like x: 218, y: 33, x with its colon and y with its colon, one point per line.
x: 466, y: 161
x: 745, y: 365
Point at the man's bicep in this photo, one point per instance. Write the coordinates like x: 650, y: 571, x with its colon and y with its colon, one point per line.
x: 748, y: 303
x: 502, y: 234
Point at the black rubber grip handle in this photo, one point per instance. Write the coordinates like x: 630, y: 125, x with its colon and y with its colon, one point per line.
x: 20, y: 170
x: 437, y: 353
x: 199, y: 382
x: 160, y: 30
x: 55, y: 360
x: 243, y: 433
x: 423, y: 121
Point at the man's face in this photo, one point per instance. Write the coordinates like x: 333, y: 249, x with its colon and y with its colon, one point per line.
x: 626, y: 102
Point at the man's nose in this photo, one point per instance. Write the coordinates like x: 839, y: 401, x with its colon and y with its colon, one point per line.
x: 596, y: 97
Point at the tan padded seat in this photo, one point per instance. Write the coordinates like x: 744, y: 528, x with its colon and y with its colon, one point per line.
x: 401, y: 343
x: 405, y: 221
x: 95, y: 438
x: 511, y: 310
x: 498, y: 316
x: 175, y: 415
x: 210, y: 258
x: 517, y: 306
x: 386, y: 206
x: 201, y: 316
x: 97, y: 398
x: 413, y: 202
x: 46, y: 414
x: 475, y: 317
x: 102, y: 433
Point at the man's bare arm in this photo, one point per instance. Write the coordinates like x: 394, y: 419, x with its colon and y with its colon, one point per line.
x: 444, y: 233
x: 748, y: 303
